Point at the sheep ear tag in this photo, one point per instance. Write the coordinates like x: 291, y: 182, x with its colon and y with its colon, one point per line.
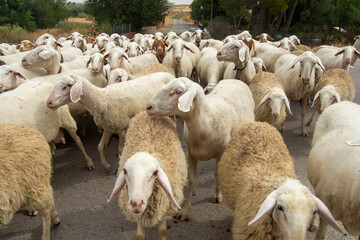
x: 119, y: 184
x: 242, y: 54
x: 353, y: 142
x: 186, y: 100
x: 76, y: 91
x: 165, y: 184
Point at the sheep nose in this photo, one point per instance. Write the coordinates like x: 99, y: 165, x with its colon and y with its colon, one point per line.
x: 275, y: 115
x: 136, y: 203
x: 112, y: 68
x: 48, y: 103
x: 178, y: 59
x: 95, y: 69
x: 1, y: 86
x: 347, y: 60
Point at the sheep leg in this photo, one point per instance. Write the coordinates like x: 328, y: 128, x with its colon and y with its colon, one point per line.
x: 31, y: 211
x: 163, y: 230
x: 312, y: 118
x: 218, y: 198
x: 104, y: 139
x: 321, y: 233
x: 314, y: 223
x: 303, y: 112
x: 121, y: 142
x: 184, y: 213
x: 46, y: 219
x: 140, y: 231
x: 80, y: 145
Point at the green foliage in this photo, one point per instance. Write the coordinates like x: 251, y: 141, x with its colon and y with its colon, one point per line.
x: 33, y: 14
x: 75, y: 8
x: 14, y: 34
x: 277, y: 6
x: 201, y: 11
x: 139, y: 13
x: 82, y: 28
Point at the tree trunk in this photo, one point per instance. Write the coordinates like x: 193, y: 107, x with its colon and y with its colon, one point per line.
x: 254, y: 15
x: 291, y: 13
x: 279, y: 21
x: 262, y: 17
x: 268, y: 20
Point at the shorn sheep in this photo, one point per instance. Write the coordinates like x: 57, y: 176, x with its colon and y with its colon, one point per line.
x: 331, y: 57
x: 257, y: 177
x: 209, y: 120
x: 25, y: 171
x: 333, y: 166
x: 334, y: 86
x: 153, y: 166
x: 113, y: 106
x: 270, y: 99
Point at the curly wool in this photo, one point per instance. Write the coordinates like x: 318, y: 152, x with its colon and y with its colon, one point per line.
x: 259, y: 87
x: 25, y: 171
x: 157, y: 137
x: 255, y: 162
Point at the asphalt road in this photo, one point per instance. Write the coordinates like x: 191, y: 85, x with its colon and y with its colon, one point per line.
x: 180, y: 26
x: 81, y: 195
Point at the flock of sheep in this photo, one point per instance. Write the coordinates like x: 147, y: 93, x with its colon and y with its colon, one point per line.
x: 232, y: 96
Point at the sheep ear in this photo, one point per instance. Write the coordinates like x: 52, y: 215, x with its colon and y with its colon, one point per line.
x: 294, y: 62
x: 88, y: 62
x: 46, y: 54
x: 19, y: 75
x: 126, y: 57
x: 186, y: 47
x: 165, y: 184
x: 270, y: 38
x: 242, y: 53
x: 318, y: 62
x: 357, y: 53
x: 326, y: 215
x: 357, y: 37
x: 119, y: 184
x: 292, y: 45
x: 265, y: 98
x: 355, y: 142
x: 266, y: 206
x: 258, y: 36
x: 337, y: 96
x: 287, y: 104
x: 264, y: 68
x: 316, y: 98
x: 76, y: 90
x: 186, y: 100
x: 340, y: 52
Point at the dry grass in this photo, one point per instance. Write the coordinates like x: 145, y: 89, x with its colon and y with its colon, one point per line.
x: 188, y: 19
x: 80, y: 20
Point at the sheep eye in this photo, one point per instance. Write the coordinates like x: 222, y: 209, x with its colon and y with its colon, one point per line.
x: 155, y: 173
x: 178, y: 92
x: 125, y: 172
x: 280, y: 208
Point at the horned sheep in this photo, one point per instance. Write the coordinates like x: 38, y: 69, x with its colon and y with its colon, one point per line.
x: 153, y: 151
x: 209, y: 120
x: 257, y: 177
x: 25, y: 171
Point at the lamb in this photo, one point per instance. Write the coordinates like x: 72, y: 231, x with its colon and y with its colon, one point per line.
x: 269, y: 54
x: 335, y: 85
x: 152, y: 149
x: 171, y: 36
x: 25, y: 170
x: 256, y: 174
x: 118, y: 58
x: 242, y: 67
x: 264, y: 37
x: 182, y: 63
x: 269, y: 97
x: 26, y: 105
x: 331, y: 58
x: 101, y: 40
x: 144, y: 43
x: 210, y: 70
x: 96, y: 63
x: 333, y: 166
x: 209, y: 120
x: 244, y: 35
x: 112, y: 107
x: 297, y: 75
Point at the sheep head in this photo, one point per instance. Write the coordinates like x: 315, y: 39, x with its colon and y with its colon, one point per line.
x: 178, y: 46
x: 292, y: 207
x: 96, y: 63
x: 139, y: 173
x: 118, y: 75
x: 327, y: 96
x: 235, y: 51
x: 42, y: 56
x: 277, y: 98
x: 8, y: 78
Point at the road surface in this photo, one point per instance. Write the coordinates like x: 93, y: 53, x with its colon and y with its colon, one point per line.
x: 180, y: 26
x: 81, y: 196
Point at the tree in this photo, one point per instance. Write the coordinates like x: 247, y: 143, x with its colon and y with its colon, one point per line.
x: 237, y: 9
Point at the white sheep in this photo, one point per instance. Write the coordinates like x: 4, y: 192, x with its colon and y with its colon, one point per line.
x: 186, y: 36
x: 118, y: 58
x: 197, y: 36
x: 25, y: 172
x: 242, y: 67
x: 357, y: 47
x: 134, y: 49
x: 269, y: 54
x: 179, y: 59
x: 101, y: 40
x: 295, y: 40
x: 270, y: 99
x: 333, y: 166
x: 297, y: 75
x: 41, y: 40
x: 171, y: 36
x: 211, y: 43
x: 287, y: 44
x: 152, y: 151
x: 13, y: 58
x: 259, y: 64
x: 80, y: 43
x: 264, y: 37
x: 334, y: 86
x: 144, y: 43
x: 330, y: 56
x: 210, y: 71
x: 74, y: 35
x: 26, y: 105
x: 243, y: 35
x: 257, y: 177
x: 112, y: 107
x: 209, y: 120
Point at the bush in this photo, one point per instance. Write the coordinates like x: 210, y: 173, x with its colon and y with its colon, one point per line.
x: 14, y: 34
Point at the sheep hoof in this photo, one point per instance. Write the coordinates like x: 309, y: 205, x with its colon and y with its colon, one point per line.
x: 312, y: 228
x: 91, y: 167
x: 107, y: 167
x: 182, y: 217
x: 217, y: 199
x: 304, y: 134
x: 33, y: 212
x: 56, y: 222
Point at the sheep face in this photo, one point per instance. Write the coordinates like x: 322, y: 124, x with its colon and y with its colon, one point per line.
x: 160, y: 45
x: 26, y: 45
x: 348, y: 54
x: 67, y: 89
x: 8, y: 78
x: 186, y: 36
x: 41, y: 40
x: 294, y: 39
x: 139, y: 174
x: 234, y: 51
x: 74, y: 35
x: 79, y: 42
x: 292, y: 208
x: 198, y: 35
x: 277, y: 99
x: 39, y: 57
x: 286, y: 44
x: 178, y: 47
x: 327, y: 96
x: 174, y: 98
x: 118, y: 75
x: 115, y: 57
x: 96, y: 63
x: 144, y: 44
x: 134, y: 49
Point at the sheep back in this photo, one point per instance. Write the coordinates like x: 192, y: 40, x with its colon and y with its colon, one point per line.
x: 25, y: 170
x: 156, y: 136
x: 255, y: 162
x: 342, y: 81
x: 259, y: 87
